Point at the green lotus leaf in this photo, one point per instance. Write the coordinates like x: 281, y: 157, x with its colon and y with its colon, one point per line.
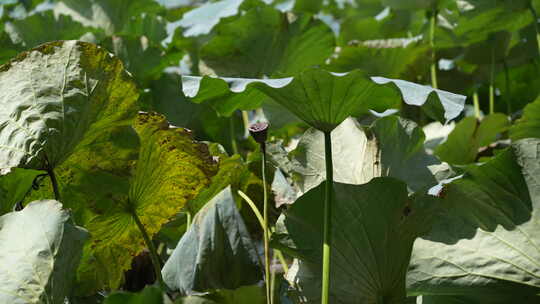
x: 320, y: 98
x: 112, y: 16
x: 441, y: 105
x: 523, y: 87
x: 480, y: 299
x: 390, y: 147
x: 383, y: 24
x: 58, y: 96
x: 411, y: 4
x: 41, y: 249
x: 529, y: 124
x: 215, y: 253
x: 145, y: 62
x: 238, y: 174
x: 233, y: 172
x: 7, y: 50
x: 167, y: 98
x: 44, y: 27
x: 107, y: 160
x: 201, y: 21
x: 226, y: 95
x: 150, y: 26
x: 262, y: 42
x: 323, y: 99
x: 94, y: 182
x: 171, y: 169
x: 309, y: 6
x: 469, y: 135
x: 14, y: 187
x: 489, y: 17
x: 242, y: 295
x: 492, y: 50
x: 379, y: 58
x: 284, y: 193
x: 368, y: 222
x: 149, y: 295
x: 401, y: 152
x: 485, y: 243
x: 195, y: 300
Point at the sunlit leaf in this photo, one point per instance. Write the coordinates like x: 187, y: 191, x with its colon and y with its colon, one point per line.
x: 368, y: 222
x: 485, y: 243
x: 201, y: 20
x: 41, y: 249
x: 215, y: 253
x: 320, y: 98
x: 172, y: 168
x: 469, y: 135
x: 56, y: 97
x: 390, y: 147
x: 226, y: 95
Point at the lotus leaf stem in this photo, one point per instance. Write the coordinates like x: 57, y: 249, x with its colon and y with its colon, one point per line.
x: 433, y: 24
x: 232, y: 133
x: 476, y: 105
x: 54, y: 181
x: 153, y: 252
x: 491, y: 80
x: 327, y: 217
x: 507, y: 88
x: 188, y: 222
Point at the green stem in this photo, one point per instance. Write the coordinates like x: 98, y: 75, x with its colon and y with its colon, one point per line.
x: 253, y: 207
x: 433, y: 24
x: 491, y: 80
x: 245, y: 119
x: 194, y: 57
x: 282, y: 260
x: 153, y: 252
x: 269, y: 295
x: 273, y: 285
x: 259, y: 216
x: 233, y: 135
x: 188, y: 224
x: 491, y: 99
x: 327, y: 216
x: 476, y: 105
x: 507, y: 87
x: 535, y: 16
x: 54, y: 181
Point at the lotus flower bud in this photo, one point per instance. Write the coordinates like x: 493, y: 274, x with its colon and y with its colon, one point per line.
x: 259, y: 131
